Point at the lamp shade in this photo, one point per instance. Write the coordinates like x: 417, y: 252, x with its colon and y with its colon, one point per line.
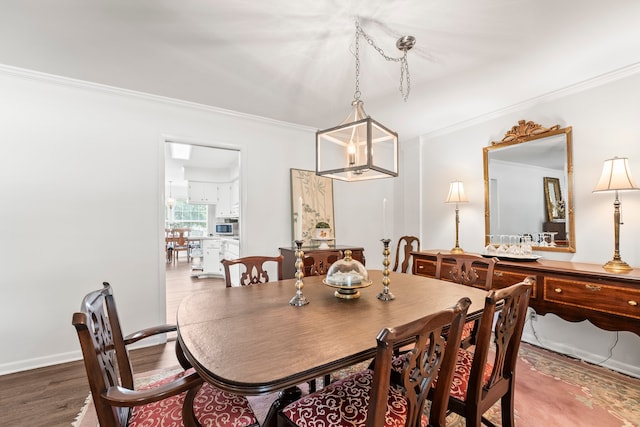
x: 616, y: 176
x: 456, y: 193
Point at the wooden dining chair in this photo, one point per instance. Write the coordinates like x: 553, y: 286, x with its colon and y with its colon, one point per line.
x: 368, y: 398
x: 469, y: 270
x: 318, y: 262
x: 480, y: 380
x: 181, y: 243
x: 406, y: 244
x: 180, y: 399
x: 252, y: 269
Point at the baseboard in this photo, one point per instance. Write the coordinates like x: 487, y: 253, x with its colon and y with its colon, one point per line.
x: 57, y: 359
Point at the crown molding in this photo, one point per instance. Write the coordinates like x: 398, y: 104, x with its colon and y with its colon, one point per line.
x: 594, y: 82
x: 98, y: 87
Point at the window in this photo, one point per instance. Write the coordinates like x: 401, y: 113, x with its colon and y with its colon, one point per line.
x: 185, y: 215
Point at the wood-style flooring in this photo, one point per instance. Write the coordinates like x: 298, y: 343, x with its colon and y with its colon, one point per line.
x: 53, y: 396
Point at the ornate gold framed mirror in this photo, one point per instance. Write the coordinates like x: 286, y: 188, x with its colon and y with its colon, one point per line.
x: 528, y: 183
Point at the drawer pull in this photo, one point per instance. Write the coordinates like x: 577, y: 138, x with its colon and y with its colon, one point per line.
x: 497, y: 273
x: 592, y: 287
x: 420, y: 267
x: 558, y: 290
x: 633, y: 303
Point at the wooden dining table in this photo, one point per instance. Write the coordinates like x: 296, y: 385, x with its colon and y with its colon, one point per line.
x: 250, y: 340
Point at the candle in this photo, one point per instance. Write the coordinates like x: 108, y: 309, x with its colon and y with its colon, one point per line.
x: 298, y: 234
x: 384, y: 218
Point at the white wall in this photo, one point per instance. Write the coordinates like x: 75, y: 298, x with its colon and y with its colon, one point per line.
x: 82, y: 187
x: 82, y: 167
x: 604, y: 118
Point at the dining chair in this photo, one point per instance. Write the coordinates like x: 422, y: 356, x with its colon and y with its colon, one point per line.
x: 469, y: 270
x: 368, y: 398
x: 181, y: 243
x: 179, y: 399
x: 318, y: 262
x: 407, y: 244
x: 487, y: 374
x: 252, y: 269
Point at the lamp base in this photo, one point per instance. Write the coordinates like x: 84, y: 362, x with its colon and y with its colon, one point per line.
x: 617, y: 266
x: 457, y: 250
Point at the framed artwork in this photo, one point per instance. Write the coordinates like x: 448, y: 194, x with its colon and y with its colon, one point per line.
x: 553, y: 198
x: 311, y: 203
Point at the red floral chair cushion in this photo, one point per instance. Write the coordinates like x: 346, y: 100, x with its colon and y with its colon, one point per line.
x: 345, y: 403
x: 462, y: 372
x: 467, y: 330
x: 212, y: 406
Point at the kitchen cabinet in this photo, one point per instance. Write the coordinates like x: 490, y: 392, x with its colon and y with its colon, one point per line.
x: 572, y: 291
x: 223, y: 207
x: 211, y: 257
x: 235, y: 198
x: 203, y: 192
x: 231, y: 251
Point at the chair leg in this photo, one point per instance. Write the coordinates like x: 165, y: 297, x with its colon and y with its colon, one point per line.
x: 507, y: 407
x: 473, y: 418
x: 189, y: 418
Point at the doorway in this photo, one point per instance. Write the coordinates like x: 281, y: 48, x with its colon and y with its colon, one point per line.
x: 202, y: 188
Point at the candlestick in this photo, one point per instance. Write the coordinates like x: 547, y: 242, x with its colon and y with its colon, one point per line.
x: 385, y: 295
x: 298, y: 299
x: 298, y: 233
x: 384, y: 218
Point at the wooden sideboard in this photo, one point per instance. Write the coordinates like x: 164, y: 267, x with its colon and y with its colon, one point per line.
x: 572, y: 291
x: 289, y: 262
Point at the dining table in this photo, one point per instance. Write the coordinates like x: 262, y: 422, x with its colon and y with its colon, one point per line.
x: 250, y: 340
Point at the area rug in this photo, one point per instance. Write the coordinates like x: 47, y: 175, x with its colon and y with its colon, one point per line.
x: 551, y: 390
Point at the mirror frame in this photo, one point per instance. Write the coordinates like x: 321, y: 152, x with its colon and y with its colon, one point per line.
x: 526, y: 132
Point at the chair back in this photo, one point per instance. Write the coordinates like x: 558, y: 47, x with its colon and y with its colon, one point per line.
x: 252, y: 269
x: 432, y: 356
x: 466, y: 269
x: 406, y: 244
x: 103, y: 349
x: 318, y: 262
x: 511, y: 303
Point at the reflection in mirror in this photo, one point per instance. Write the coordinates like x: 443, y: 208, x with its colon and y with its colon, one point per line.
x: 554, y: 201
x: 528, y: 188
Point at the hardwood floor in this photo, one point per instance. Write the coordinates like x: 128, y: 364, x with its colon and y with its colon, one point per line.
x: 53, y: 396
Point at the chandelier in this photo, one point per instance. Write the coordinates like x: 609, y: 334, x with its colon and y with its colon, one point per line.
x: 360, y: 148
x: 171, y: 202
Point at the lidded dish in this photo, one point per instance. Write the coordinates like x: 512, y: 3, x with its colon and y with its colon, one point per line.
x: 347, y: 275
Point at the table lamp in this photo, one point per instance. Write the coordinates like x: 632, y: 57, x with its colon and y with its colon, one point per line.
x: 456, y: 195
x: 616, y: 176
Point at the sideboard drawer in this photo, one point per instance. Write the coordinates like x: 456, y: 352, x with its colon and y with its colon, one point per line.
x: 593, y: 296
x: 424, y: 267
x: 503, y: 279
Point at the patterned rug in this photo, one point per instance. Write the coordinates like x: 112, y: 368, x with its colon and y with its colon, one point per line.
x: 551, y: 390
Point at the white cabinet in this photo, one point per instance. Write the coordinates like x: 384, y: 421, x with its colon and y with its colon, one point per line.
x: 203, y: 192
x: 223, y: 207
x: 231, y: 248
x: 235, y: 198
x: 211, y: 256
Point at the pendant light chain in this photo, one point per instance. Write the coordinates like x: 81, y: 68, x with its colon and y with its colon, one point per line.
x: 404, y: 64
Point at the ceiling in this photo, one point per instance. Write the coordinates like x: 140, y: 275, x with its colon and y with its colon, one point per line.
x: 291, y: 60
